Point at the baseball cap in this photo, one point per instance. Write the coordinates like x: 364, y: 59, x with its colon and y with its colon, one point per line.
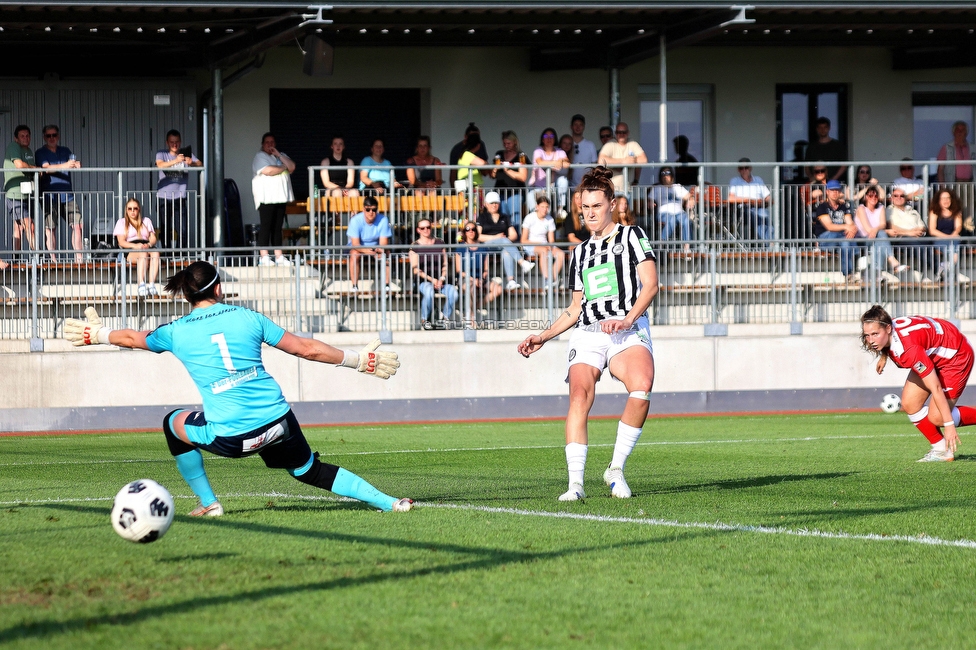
x: 493, y: 197
x: 834, y: 185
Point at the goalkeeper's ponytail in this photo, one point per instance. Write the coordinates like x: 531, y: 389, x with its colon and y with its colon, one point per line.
x: 197, y: 282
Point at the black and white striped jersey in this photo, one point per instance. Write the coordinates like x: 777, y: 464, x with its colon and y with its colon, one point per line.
x: 605, y: 270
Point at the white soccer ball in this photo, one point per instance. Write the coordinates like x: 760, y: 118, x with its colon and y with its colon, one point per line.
x: 143, y: 511
x: 890, y: 403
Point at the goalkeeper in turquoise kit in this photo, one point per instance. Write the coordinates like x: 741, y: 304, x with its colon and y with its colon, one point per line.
x: 244, y: 411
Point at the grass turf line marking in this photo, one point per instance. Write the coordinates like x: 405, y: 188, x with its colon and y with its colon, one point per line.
x: 650, y: 521
x: 430, y: 450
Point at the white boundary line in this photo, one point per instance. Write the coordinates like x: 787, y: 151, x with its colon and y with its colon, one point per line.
x: 432, y: 450
x: 650, y: 521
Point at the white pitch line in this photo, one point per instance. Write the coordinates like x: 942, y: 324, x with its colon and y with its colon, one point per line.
x: 606, y: 519
x: 445, y: 450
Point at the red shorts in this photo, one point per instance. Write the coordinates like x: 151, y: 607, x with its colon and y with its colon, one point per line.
x: 955, y: 375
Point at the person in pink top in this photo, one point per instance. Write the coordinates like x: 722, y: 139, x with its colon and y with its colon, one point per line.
x: 958, y: 149
x: 135, y: 233
x: 549, y: 155
x: 871, y: 222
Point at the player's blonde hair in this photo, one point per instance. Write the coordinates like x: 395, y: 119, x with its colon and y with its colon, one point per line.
x: 877, y: 314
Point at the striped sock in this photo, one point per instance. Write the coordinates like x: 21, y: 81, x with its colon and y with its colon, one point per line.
x: 964, y: 416
x: 922, y: 423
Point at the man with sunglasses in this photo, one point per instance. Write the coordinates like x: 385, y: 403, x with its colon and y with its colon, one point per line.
x: 904, y: 221
x: 58, y: 201
x: 906, y: 180
x: 367, y: 232
x: 584, y: 151
x: 623, y: 152
x: 751, y: 198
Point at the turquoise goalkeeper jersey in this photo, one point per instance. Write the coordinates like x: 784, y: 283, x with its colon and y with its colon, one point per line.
x: 220, y: 346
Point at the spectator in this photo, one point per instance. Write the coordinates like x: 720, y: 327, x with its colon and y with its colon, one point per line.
x: 751, y: 197
x: 426, y: 180
x: 832, y: 221
x: 958, y: 149
x: 566, y: 144
x: 794, y: 174
x: 172, y: 208
x: 510, y: 174
x: 496, y: 231
x: 471, y: 264
x: 272, y: 190
x: 59, y: 203
x: 584, y: 151
x: 547, y: 154
x: 671, y: 202
x: 817, y: 185
x: 19, y: 156
x: 606, y: 135
x: 470, y: 161
x: 135, y: 233
x: 375, y: 174
x: 458, y: 150
x: 871, y: 223
x: 904, y: 224
x: 340, y: 177
x: 906, y: 181
x: 622, y: 213
x: 684, y: 175
x: 576, y: 230
x: 428, y: 259
x: 864, y: 179
x: 368, y: 232
x: 623, y: 152
x: 827, y: 148
x: 539, y: 230
x: 945, y: 224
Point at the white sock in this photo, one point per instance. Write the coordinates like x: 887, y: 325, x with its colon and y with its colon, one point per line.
x: 940, y: 445
x: 627, y: 437
x: 575, y: 462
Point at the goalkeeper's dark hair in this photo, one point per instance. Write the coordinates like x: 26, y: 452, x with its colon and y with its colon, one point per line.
x: 876, y: 314
x: 196, y: 283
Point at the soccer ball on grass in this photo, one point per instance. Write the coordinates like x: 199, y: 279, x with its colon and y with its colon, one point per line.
x: 890, y: 403
x: 142, y: 511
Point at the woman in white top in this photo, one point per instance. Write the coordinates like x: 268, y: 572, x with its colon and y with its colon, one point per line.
x: 871, y: 223
x: 540, y: 228
x: 136, y: 234
x: 549, y: 155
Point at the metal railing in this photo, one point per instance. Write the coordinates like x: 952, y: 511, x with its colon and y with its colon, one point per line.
x: 712, y: 281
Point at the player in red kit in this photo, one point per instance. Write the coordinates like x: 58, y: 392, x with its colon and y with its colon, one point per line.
x: 940, y: 360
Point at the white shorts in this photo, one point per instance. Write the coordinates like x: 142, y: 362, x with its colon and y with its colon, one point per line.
x: 590, y: 345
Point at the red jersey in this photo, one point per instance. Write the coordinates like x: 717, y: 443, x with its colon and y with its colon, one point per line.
x: 925, y: 344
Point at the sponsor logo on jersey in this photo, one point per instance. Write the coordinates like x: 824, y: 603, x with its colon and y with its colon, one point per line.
x: 234, y: 379
x: 572, y: 354
x: 919, y: 367
x: 600, y: 281
x: 645, y: 244
x: 265, y: 439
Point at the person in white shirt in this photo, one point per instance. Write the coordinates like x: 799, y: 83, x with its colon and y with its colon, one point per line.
x: 539, y: 229
x: 912, y: 187
x: 751, y: 196
x: 584, y: 151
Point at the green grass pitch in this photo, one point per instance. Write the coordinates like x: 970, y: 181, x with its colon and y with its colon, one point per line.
x: 807, y: 531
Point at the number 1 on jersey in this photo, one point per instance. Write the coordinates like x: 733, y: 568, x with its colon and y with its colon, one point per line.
x: 224, y: 351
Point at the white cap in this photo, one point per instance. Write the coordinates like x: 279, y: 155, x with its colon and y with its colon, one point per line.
x: 493, y: 197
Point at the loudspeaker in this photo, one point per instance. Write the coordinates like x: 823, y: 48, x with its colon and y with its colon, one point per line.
x: 318, y: 57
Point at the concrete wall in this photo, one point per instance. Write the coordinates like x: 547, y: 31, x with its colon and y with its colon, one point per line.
x: 756, y: 367
x: 494, y: 88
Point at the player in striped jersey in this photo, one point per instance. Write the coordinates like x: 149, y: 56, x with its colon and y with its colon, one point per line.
x: 244, y: 412
x: 940, y: 360
x: 614, y: 277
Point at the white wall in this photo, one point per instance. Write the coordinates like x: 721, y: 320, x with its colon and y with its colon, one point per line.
x: 494, y: 88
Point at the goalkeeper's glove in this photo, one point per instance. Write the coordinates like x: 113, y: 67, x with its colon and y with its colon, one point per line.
x: 86, y: 332
x: 380, y: 364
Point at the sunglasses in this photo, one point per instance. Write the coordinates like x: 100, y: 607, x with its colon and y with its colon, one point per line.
x: 133, y: 207
x: 548, y: 137
x: 50, y: 135
x: 621, y: 132
x: 742, y: 169
x: 897, y: 196
x: 819, y: 171
x: 470, y: 229
x: 423, y: 227
x: 606, y: 136
x: 907, y: 169
x: 863, y: 171
x: 369, y: 209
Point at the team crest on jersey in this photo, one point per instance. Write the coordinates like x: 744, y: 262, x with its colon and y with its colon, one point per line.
x: 919, y: 367
x: 617, y: 249
x: 572, y: 354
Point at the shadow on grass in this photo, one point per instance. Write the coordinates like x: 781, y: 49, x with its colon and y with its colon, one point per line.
x: 744, y: 483
x: 480, y: 558
x: 197, y: 557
